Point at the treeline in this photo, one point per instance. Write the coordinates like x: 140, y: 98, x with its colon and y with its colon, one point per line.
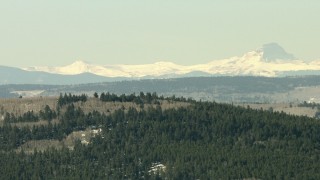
x: 69, y: 98
x: 11, y: 137
x: 312, y: 105
x: 30, y: 116
x: 205, y: 140
x: 141, y: 98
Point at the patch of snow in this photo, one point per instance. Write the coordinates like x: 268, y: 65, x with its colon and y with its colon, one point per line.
x: 85, y: 142
x: 157, y: 167
x: 96, y: 131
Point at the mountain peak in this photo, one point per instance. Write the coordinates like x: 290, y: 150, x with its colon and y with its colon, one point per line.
x: 273, y: 51
x: 76, y: 67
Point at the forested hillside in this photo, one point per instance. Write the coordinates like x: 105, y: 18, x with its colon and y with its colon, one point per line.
x: 204, y: 140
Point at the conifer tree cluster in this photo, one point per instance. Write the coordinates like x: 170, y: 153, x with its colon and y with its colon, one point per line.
x: 69, y: 98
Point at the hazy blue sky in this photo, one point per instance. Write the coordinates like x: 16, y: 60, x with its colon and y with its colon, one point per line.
x: 58, y: 32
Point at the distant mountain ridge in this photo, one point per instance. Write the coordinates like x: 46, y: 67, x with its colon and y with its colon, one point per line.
x: 270, y: 60
x: 9, y: 75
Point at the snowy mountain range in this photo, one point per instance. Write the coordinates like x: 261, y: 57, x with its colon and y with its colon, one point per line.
x: 271, y: 60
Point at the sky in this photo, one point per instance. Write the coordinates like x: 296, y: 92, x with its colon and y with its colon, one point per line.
x: 187, y: 32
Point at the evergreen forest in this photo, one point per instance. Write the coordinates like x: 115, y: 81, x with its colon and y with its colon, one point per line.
x: 204, y: 140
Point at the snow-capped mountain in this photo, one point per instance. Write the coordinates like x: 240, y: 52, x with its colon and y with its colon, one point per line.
x: 270, y: 60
